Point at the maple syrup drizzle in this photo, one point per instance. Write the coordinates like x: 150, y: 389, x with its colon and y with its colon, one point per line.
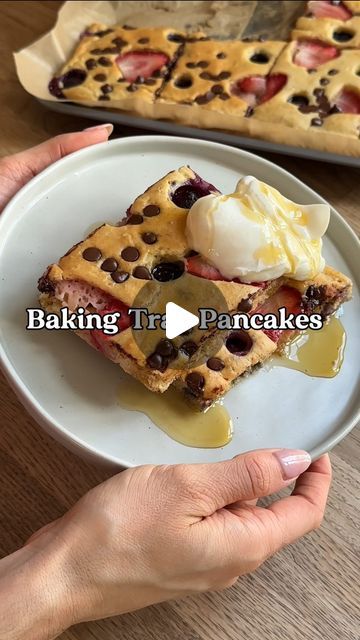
x: 177, y: 419
x: 316, y: 353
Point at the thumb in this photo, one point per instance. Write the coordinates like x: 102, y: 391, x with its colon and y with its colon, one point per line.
x: 255, y: 474
x: 18, y: 169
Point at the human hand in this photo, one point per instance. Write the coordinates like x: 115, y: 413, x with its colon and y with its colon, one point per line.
x: 158, y: 532
x: 18, y: 169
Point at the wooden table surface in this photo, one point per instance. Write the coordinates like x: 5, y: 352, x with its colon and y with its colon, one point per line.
x: 310, y: 590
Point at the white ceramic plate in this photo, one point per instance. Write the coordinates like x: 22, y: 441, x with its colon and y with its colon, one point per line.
x: 72, y: 390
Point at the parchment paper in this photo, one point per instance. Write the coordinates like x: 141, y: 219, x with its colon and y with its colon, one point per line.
x: 37, y: 63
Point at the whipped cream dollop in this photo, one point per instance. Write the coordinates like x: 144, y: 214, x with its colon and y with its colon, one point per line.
x: 256, y: 234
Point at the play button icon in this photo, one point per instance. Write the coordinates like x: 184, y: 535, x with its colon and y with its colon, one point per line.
x: 169, y: 313
x: 178, y: 320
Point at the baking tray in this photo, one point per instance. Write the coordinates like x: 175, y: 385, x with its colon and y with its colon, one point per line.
x: 172, y: 128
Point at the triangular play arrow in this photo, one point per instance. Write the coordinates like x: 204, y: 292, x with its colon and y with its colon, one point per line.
x: 178, y: 320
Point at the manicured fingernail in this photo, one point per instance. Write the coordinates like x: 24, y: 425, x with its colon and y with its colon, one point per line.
x: 108, y: 126
x: 293, y: 462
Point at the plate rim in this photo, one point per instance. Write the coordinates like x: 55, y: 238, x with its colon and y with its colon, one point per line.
x: 8, y: 218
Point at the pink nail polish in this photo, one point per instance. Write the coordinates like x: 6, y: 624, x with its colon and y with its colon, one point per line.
x: 293, y: 462
x: 108, y: 126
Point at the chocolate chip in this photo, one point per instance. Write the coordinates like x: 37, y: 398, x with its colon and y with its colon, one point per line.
x: 221, y: 55
x: 311, y: 70
x: 105, y: 62
x: 166, y: 271
x: 334, y: 109
x: 184, y: 82
x: 224, y: 96
x: 100, y: 77
x: 155, y: 361
x: 176, y: 37
x: 249, y: 112
x: 205, y: 98
x: 215, y: 364
x: 142, y: 273
x: 307, y: 108
x: 128, y: 27
x: 135, y: 218
x: 149, y: 237
x: 298, y: 100
x: 191, y: 65
x: 244, y: 305
x: 106, y: 88
x: 239, y: 343
x: 189, y: 348
x: 131, y: 88
x: 333, y: 72
x: 149, y: 81
x: 110, y: 265
x: 92, y: 254
x: 119, y: 42
x: 342, y: 36
x: 259, y: 58
x: 90, y: 63
x: 119, y: 276
x: 143, y: 40
x: 103, y: 97
x: 324, y: 81
x: 195, y: 381
x: 319, y: 93
x: 130, y: 254
x: 217, y: 89
x: 202, y: 64
x: 316, y: 122
x: 96, y: 52
x: 157, y: 73
x: 151, y: 210
x: 166, y: 349
x: 140, y: 80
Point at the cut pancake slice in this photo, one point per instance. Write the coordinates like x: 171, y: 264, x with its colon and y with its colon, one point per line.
x: 108, y: 270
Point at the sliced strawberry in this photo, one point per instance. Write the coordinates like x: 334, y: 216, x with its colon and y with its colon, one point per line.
x: 253, y: 84
x: 348, y: 101
x: 284, y: 297
x: 258, y: 89
x: 125, y: 319
x: 327, y: 9
x: 287, y: 297
x: 274, y: 84
x: 140, y: 63
x: 197, y: 266
x: 310, y: 54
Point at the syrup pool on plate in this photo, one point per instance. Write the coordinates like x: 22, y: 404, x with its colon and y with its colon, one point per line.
x: 316, y: 353
x: 172, y: 414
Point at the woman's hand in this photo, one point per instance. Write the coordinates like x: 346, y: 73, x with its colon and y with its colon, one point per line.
x: 18, y: 169
x: 158, y: 532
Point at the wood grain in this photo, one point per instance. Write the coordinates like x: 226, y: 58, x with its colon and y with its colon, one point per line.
x: 310, y: 591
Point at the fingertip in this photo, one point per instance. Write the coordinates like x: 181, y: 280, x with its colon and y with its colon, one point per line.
x: 104, y: 129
